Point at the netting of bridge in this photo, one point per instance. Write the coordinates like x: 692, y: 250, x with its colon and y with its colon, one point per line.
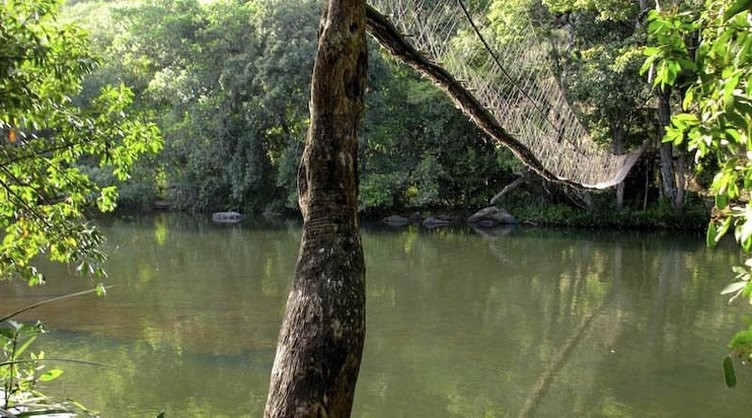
x: 511, y: 76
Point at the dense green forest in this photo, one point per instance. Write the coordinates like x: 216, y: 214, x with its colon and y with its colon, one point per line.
x: 227, y: 83
x: 202, y: 106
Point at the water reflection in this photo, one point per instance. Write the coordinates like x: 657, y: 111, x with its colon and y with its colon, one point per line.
x: 527, y: 322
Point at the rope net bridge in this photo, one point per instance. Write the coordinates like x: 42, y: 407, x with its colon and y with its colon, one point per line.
x: 504, y: 84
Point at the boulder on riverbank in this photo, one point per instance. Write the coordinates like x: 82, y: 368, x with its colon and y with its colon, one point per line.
x: 490, y: 217
x: 227, y: 217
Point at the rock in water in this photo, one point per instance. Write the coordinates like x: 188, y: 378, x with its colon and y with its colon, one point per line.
x: 491, y: 216
x: 437, y: 221
x: 227, y: 217
x: 396, y: 220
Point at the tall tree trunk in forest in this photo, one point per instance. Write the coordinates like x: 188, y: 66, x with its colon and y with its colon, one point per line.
x: 618, y: 148
x: 645, y: 6
x: 672, y: 178
x: 670, y: 189
x: 681, y: 178
x: 321, y: 340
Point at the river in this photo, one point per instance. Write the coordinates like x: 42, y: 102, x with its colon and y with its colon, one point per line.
x: 527, y: 322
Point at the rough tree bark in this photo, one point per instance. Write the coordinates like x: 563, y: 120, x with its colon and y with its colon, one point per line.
x: 672, y: 179
x: 618, y: 147
x: 321, y: 340
x: 674, y: 194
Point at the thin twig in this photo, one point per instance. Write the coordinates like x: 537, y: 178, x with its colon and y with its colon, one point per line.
x: 46, y: 301
x: 67, y: 360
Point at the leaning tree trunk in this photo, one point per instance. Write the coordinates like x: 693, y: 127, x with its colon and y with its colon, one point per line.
x: 321, y: 341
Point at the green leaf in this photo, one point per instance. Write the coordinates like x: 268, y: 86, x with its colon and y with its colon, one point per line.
x: 728, y: 372
x: 685, y: 119
x: 741, y: 339
x: 725, y: 225
x: 728, y: 91
x: 20, y: 350
x: 742, y: 54
x: 674, y: 135
x: 673, y: 68
x: 737, y: 7
x: 742, y: 103
x: 7, y: 332
x: 688, y: 98
x: 647, y: 64
x: 746, y: 243
x: 711, y: 235
x: 50, y: 375
x: 101, y: 289
x: 733, y: 118
x: 721, y: 200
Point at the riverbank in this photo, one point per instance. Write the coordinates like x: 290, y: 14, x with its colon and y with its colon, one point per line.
x: 688, y: 219
x: 694, y: 217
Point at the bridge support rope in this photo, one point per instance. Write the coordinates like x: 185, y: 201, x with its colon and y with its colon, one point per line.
x: 539, y: 128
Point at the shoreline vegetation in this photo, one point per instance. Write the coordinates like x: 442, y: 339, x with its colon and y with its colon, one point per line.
x: 661, y: 218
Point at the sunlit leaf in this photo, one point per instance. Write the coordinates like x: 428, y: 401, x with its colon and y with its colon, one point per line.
x: 710, y: 238
x: 733, y: 287
x: 50, y: 375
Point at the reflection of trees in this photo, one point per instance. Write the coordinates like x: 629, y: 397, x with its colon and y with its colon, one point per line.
x: 190, y: 279
x: 496, y: 314
x: 471, y: 313
x: 459, y: 325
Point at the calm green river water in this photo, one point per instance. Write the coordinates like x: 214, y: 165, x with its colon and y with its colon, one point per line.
x: 531, y: 323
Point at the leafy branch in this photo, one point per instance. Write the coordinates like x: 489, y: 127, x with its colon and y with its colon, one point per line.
x: 716, y: 122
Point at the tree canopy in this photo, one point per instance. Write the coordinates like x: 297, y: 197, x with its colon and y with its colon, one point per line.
x: 705, y: 52
x: 47, y: 140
